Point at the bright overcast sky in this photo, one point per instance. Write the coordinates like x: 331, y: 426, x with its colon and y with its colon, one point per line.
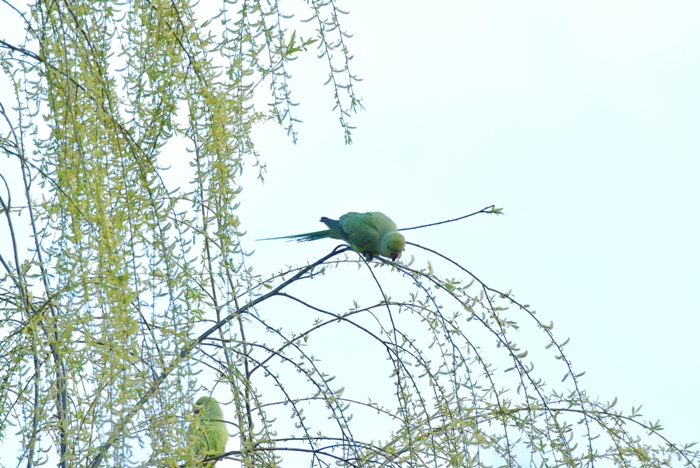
x: 580, y: 119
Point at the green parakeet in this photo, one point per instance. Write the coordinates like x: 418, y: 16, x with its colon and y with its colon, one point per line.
x: 207, y: 434
x: 367, y: 233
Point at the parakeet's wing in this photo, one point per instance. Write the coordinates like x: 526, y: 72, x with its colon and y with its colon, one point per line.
x: 362, y: 231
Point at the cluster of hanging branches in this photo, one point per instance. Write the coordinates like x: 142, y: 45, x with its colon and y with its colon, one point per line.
x: 125, y: 295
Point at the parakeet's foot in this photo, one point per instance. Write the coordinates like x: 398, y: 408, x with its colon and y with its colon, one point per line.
x: 368, y: 256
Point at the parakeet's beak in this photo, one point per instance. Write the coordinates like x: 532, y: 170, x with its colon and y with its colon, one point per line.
x: 395, y: 256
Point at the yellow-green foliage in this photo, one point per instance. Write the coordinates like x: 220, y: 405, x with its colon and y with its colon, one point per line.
x: 103, y: 296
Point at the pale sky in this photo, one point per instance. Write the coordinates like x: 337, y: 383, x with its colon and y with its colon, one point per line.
x: 580, y: 119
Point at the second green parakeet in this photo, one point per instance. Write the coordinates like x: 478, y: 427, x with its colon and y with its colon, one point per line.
x: 207, y: 434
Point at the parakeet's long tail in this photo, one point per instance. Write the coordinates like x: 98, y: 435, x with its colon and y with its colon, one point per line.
x: 309, y: 236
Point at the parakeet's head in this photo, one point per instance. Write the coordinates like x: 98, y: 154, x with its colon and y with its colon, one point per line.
x: 392, y: 245
x: 209, y: 407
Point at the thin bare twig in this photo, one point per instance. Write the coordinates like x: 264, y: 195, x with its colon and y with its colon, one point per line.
x: 491, y: 209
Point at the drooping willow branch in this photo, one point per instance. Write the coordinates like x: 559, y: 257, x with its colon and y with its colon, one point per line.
x: 153, y: 388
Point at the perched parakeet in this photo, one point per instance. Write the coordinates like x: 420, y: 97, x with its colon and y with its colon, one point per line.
x: 207, y: 434
x: 367, y: 233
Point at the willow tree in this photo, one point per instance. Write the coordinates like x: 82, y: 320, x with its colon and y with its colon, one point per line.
x: 126, y: 295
